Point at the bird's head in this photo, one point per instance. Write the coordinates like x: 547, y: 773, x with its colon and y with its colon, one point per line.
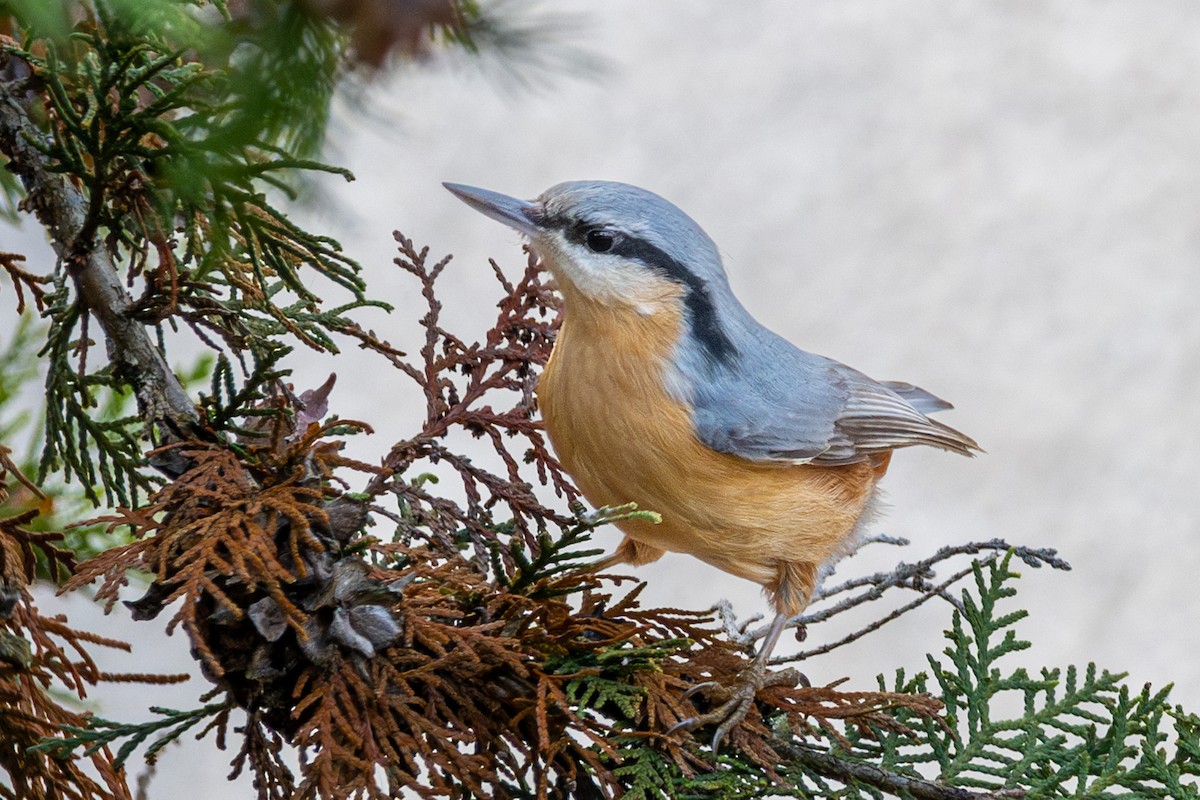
x: 612, y: 243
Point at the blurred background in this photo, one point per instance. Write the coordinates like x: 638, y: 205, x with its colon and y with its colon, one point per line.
x: 997, y: 201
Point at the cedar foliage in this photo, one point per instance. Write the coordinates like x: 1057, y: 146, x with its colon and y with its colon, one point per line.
x: 38, y: 652
x: 393, y: 637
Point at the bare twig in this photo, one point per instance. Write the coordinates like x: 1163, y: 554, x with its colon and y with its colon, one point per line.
x: 937, y: 591
x: 918, y: 576
x: 894, y: 783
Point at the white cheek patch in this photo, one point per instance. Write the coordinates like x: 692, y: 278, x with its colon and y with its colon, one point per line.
x: 606, y: 278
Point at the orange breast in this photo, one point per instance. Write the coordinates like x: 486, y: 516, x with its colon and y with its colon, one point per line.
x: 624, y: 439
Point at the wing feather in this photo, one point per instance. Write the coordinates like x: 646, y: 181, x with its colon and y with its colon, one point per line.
x: 917, y: 397
x: 877, y: 418
x: 811, y: 409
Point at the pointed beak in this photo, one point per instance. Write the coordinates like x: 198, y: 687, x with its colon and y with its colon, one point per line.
x: 518, y: 214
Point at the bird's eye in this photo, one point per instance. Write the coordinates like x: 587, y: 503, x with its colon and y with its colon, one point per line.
x: 600, y: 241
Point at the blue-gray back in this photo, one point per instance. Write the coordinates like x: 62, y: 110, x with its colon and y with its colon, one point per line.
x: 753, y: 393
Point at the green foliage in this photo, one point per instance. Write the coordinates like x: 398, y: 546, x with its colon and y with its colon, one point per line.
x: 84, y: 439
x: 1058, y: 734
x: 600, y: 680
x: 1055, y: 734
x: 184, y: 128
x: 177, y: 123
x: 650, y: 776
x: 555, y: 556
x: 65, y: 504
x: 169, y: 141
x: 100, y: 733
x: 1076, y: 735
x: 10, y: 196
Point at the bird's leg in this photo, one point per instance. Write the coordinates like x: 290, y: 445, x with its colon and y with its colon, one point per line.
x: 755, y: 678
x: 791, y: 592
x: 628, y: 552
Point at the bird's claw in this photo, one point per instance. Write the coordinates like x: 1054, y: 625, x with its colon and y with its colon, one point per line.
x: 724, y: 716
x: 731, y: 712
x: 699, y: 687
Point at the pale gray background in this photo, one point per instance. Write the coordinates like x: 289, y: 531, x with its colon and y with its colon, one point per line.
x: 999, y: 201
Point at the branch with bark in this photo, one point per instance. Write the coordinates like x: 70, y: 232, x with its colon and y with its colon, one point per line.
x: 64, y: 211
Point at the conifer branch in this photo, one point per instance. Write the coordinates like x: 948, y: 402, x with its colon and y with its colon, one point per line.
x: 473, y: 653
x: 857, y: 772
x: 62, y: 208
x: 917, y: 576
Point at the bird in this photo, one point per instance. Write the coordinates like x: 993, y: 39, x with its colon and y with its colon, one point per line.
x: 661, y: 389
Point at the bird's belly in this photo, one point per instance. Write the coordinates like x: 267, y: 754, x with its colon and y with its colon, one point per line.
x: 624, y: 439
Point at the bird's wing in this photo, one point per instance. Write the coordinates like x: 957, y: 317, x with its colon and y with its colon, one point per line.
x: 878, y: 417
x: 917, y: 397
x: 791, y: 406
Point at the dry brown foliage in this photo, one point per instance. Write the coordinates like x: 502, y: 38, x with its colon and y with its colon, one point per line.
x: 460, y: 381
x: 467, y: 656
x: 24, y: 281
x: 40, y: 654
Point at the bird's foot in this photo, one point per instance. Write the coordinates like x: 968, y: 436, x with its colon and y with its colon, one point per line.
x: 739, y: 700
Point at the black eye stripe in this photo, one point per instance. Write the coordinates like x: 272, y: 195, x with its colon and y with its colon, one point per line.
x: 576, y: 232
x: 706, y: 325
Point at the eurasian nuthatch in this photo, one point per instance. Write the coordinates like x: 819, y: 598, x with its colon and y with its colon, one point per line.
x: 662, y: 390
